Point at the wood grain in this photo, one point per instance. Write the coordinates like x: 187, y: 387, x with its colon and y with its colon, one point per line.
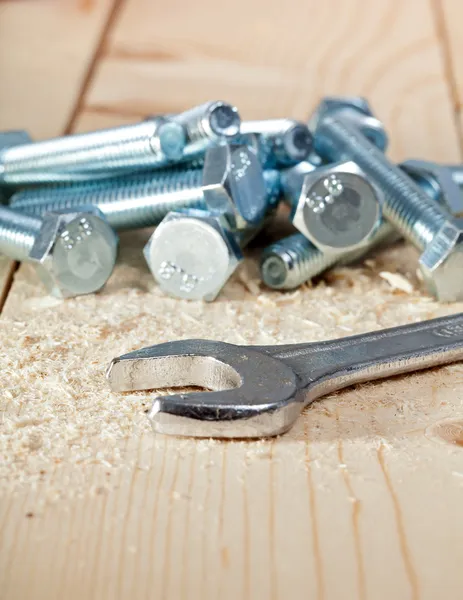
x: 361, y: 499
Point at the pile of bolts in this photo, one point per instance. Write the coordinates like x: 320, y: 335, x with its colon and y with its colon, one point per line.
x: 210, y: 182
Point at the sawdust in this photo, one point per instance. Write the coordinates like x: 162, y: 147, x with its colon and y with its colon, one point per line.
x: 56, y: 408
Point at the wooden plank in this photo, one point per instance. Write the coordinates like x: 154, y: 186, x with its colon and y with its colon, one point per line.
x: 361, y: 499
x: 45, y: 51
x: 280, y: 58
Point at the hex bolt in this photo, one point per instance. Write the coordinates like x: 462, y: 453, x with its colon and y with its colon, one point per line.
x: 8, y: 139
x: 281, y: 142
x: 74, y: 253
x: 86, y: 156
x: 335, y: 206
x: 340, y: 135
x: 232, y: 183
x: 192, y: 254
x: 207, y: 125
x: 292, y: 261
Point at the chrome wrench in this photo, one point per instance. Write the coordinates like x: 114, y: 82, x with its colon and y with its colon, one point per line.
x: 260, y: 391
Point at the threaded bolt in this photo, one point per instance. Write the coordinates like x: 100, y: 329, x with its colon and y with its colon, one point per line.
x: 144, y: 199
x: 74, y: 253
x: 86, y: 156
x: 206, y: 125
x: 427, y: 225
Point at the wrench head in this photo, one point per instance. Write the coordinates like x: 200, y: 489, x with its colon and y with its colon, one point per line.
x: 253, y: 395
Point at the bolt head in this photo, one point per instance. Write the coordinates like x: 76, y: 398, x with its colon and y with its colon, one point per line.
x: 192, y: 254
x: 74, y: 253
x: 338, y: 209
x: 370, y: 126
x: 441, y: 264
x: 437, y: 181
x: 234, y: 185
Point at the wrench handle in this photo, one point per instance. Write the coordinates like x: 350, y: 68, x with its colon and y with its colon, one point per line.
x: 328, y: 366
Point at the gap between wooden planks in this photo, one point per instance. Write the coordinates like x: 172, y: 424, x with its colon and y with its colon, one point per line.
x: 362, y: 498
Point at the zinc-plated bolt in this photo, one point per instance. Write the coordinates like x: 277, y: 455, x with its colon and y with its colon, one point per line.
x: 147, y: 145
x: 292, y: 261
x: 207, y: 125
x: 232, y: 183
x: 193, y: 253
x: 336, y: 207
x: 73, y: 253
x: 281, y: 142
x: 8, y: 139
x: 427, y: 225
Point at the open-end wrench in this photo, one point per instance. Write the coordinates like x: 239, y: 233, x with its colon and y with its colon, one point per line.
x: 261, y: 390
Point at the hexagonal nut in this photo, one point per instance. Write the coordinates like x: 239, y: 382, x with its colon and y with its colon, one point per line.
x: 234, y: 185
x: 74, y: 253
x: 7, y: 140
x: 441, y: 263
x: 192, y: 254
x: 437, y: 182
x: 363, y: 117
x: 339, y: 209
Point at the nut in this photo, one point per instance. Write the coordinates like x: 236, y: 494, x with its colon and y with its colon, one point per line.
x: 74, y: 253
x: 192, y: 254
x: 369, y: 125
x: 338, y: 208
x: 442, y: 262
x: 234, y: 185
x: 437, y: 181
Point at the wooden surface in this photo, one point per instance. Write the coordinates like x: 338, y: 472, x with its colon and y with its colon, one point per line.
x: 362, y: 499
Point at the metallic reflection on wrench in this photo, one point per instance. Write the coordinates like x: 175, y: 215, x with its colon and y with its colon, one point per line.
x: 260, y: 391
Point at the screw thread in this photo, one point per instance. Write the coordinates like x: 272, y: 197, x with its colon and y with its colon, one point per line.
x: 412, y: 212
x: 290, y: 262
x: 130, y: 202
x: 17, y: 233
x: 84, y: 156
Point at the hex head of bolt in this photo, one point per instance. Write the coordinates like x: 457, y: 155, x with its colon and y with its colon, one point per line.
x: 234, y: 185
x: 192, y: 254
x: 74, y: 253
x: 369, y: 125
x: 438, y: 182
x: 441, y: 264
x: 338, y: 209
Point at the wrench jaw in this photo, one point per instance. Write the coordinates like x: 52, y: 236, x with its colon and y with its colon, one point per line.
x: 254, y: 394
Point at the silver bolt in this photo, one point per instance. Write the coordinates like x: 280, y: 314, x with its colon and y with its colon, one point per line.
x: 335, y: 207
x: 207, y: 125
x: 8, y: 139
x: 292, y: 261
x: 192, y: 254
x: 143, y: 200
x: 150, y: 144
x: 281, y: 142
x: 342, y: 132
x: 73, y: 253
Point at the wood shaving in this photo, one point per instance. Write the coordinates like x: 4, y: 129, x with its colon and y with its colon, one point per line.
x: 397, y: 281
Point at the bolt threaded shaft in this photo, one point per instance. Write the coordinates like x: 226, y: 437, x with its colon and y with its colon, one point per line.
x: 294, y: 260
x: 130, y: 202
x: 17, y: 233
x: 290, y: 262
x: 89, y: 155
x: 415, y: 215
